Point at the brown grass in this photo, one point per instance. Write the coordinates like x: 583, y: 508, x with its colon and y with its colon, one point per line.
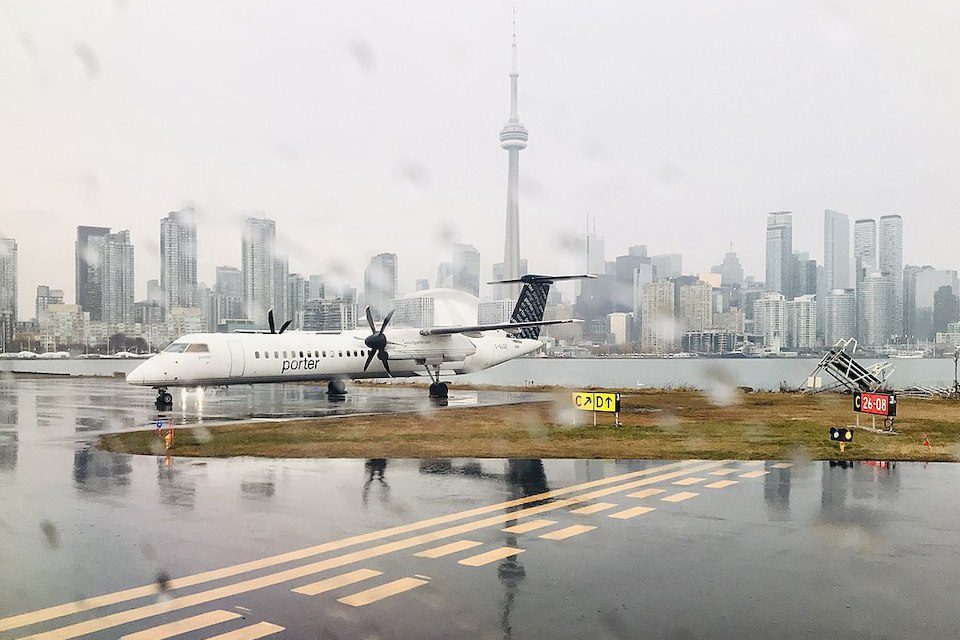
x: 656, y: 424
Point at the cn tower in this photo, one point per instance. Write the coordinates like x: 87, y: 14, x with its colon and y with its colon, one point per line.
x: 513, y: 138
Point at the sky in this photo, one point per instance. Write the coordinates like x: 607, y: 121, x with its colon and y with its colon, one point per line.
x: 364, y: 127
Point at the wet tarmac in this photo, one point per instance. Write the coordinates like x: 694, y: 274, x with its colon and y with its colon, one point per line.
x: 450, y: 548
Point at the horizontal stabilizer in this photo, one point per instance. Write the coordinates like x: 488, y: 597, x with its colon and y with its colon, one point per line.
x: 531, y: 278
x: 506, y: 326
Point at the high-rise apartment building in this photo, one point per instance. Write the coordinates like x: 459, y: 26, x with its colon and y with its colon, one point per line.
x: 695, y: 310
x: 117, y: 279
x: 658, y: 329
x: 380, y: 283
x: 836, y: 250
x: 890, y: 258
x: 178, y: 259
x: 9, y: 283
x: 873, y: 310
x: 770, y: 320
x: 802, y: 322
x: 228, y: 294
x: 840, y: 316
x: 864, y: 247
x: 465, y: 268
x: 88, y: 250
x: 779, y: 253
x: 258, y: 258
x: 46, y: 297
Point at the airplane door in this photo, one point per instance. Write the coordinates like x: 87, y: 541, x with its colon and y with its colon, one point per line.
x: 236, y: 358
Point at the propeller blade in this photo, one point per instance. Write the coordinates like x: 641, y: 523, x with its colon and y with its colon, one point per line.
x: 284, y: 326
x: 386, y: 320
x: 369, y: 359
x: 273, y: 327
x: 385, y: 359
x: 373, y: 327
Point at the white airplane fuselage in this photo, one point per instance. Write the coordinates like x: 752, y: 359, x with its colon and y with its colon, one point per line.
x: 217, y: 359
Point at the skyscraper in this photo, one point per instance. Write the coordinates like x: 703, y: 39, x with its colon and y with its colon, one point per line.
x: 841, y: 316
x: 117, y: 278
x: 258, y: 256
x: 178, y: 259
x: 658, y: 328
x: 466, y: 268
x: 770, y: 320
x: 891, y: 266
x: 864, y: 247
x: 380, y: 283
x: 779, y: 258
x: 89, y: 269
x: 667, y: 265
x: 46, y: 297
x: 228, y: 294
x: 873, y: 310
x: 8, y: 290
x: 513, y: 138
x: 730, y: 270
x: 836, y: 250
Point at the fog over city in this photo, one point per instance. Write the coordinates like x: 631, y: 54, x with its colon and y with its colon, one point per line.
x: 370, y: 127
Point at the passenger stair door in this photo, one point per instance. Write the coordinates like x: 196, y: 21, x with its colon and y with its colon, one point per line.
x: 236, y: 358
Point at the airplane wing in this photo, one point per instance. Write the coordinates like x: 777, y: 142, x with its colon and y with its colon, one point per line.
x: 507, y: 326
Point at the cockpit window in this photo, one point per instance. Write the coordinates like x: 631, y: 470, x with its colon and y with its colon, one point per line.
x: 176, y: 347
x: 198, y: 347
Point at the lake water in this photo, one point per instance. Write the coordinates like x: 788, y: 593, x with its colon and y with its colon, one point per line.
x: 701, y: 373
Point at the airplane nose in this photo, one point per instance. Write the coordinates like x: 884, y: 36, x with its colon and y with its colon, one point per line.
x: 136, y: 376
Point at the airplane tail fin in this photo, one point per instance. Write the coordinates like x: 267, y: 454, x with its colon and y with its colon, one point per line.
x: 533, y: 300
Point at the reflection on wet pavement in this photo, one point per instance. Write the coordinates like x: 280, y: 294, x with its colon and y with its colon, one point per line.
x: 460, y: 548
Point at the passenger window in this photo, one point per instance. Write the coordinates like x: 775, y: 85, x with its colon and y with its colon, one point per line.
x: 361, y: 353
x: 198, y: 347
x: 301, y: 354
x: 276, y: 354
x: 324, y: 354
x: 284, y: 354
x: 266, y: 354
x: 256, y: 354
x: 354, y: 354
x: 340, y: 353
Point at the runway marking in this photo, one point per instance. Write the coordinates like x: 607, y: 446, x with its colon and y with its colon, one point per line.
x: 122, y: 617
x: 781, y: 465
x: 58, y: 611
x: 447, y: 549
x: 183, y: 626
x: 632, y: 512
x: 720, y: 484
x: 523, y: 527
x: 383, y: 591
x: 490, y: 556
x: 342, y: 580
x: 594, y: 508
x: 567, y: 532
x: 754, y: 474
x: 723, y: 472
x: 252, y: 632
x: 686, y: 482
x: 645, y: 493
x: 680, y: 497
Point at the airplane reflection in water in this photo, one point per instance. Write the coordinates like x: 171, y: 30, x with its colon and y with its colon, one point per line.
x: 523, y: 478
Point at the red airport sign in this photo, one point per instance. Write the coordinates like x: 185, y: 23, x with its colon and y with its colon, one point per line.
x: 878, y: 404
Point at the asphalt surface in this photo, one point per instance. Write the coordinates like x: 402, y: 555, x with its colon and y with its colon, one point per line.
x: 100, y: 545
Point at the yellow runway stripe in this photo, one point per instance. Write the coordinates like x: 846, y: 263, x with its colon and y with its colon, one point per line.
x: 632, y: 512
x: 447, y: 549
x: 567, y: 532
x: 254, y: 631
x: 122, y: 617
x: 723, y: 472
x: 754, y: 474
x: 720, y: 484
x: 645, y: 493
x: 594, y: 508
x: 781, y: 465
x: 381, y: 592
x: 688, y: 481
x: 680, y: 497
x: 490, y: 556
x: 58, y: 611
x: 523, y: 527
x: 336, y: 582
x: 183, y: 626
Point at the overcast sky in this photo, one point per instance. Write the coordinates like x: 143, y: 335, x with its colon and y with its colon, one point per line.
x: 363, y: 127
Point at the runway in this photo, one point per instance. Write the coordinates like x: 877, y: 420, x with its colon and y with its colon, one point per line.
x: 99, y: 545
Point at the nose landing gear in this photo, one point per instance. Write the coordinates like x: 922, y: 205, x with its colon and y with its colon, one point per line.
x: 164, y: 399
x: 438, y: 389
x: 336, y: 389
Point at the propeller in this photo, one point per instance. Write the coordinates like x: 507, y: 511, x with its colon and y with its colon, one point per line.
x: 377, y: 342
x: 273, y: 326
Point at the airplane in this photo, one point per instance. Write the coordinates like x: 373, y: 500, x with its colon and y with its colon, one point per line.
x: 253, y: 357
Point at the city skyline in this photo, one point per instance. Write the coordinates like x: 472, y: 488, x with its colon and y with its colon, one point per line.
x: 700, y: 151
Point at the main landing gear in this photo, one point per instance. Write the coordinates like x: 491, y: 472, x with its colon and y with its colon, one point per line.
x: 164, y: 399
x: 439, y: 390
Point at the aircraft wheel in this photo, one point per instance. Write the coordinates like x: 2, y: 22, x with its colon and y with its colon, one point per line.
x: 164, y: 400
x: 336, y: 388
x: 439, y: 390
